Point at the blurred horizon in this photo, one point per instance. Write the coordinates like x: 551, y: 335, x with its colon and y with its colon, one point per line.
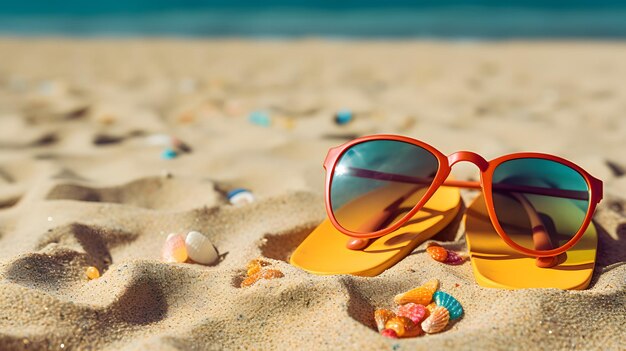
x: 446, y: 19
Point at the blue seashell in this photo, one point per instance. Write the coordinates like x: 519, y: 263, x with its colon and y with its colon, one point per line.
x: 260, y: 118
x: 343, y: 117
x: 450, y: 303
x: 169, y: 154
x: 240, y: 196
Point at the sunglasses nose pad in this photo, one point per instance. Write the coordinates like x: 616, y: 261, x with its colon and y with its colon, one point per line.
x: 468, y: 156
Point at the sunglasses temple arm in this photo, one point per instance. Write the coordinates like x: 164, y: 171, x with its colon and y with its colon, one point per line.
x: 498, y: 187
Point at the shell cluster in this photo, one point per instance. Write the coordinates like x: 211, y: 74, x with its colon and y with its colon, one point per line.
x: 417, y: 313
x: 195, y: 247
x: 443, y: 255
x: 257, y: 270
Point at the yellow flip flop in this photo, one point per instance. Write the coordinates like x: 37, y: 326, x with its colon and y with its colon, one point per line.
x: 324, y: 251
x: 497, y: 265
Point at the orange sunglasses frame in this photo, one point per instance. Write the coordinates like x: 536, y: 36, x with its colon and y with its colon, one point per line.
x: 486, y: 176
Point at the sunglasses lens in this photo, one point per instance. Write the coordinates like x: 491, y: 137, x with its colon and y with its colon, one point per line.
x: 540, y: 204
x: 375, y: 183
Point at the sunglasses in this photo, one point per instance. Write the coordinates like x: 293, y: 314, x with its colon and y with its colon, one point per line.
x: 539, y: 204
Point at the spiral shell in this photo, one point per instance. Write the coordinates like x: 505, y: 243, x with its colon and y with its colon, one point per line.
x: 446, y: 300
x: 399, y: 324
x: 200, y: 249
x: 437, y: 320
x: 381, y: 316
x: 412, y: 311
x: 174, y: 249
x: 437, y: 252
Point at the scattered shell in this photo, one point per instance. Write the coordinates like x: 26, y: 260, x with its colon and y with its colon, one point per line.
x: 263, y: 274
x: 389, y: 333
x: 92, y: 273
x: 454, y: 258
x: 381, y: 316
x: 343, y: 117
x: 437, y: 320
x: 255, y: 266
x: 437, y: 252
x: 412, y: 311
x: 174, y: 249
x: 400, y: 325
x: 260, y: 118
x: 200, y: 249
x: 446, y: 300
x: 169, y: 154
x: 240, y: 197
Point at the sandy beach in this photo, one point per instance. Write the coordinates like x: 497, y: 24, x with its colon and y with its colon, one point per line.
x: 81, y: 185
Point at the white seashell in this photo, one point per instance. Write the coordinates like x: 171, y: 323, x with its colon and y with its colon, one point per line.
x: 159, y: 140
x: 200, y: 249
x: 240, y: 197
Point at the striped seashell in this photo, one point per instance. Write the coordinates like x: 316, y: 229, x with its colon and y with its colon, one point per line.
x: 432, y: 285
x: 174, y: 249
x: 421, y: 296
x: 412, y: 311
x: 446, y: 300
x: 200, y: 249
x: 437, y: 321
x: 437, y: 252
x: 381, y: 316
x: 454, y: 258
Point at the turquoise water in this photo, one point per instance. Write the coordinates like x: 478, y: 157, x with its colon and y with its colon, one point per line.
x: 604, y: 19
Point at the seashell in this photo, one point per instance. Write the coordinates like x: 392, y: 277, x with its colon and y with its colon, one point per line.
x: 446, y: 300
x: 454, y: 258
x: 437, y: 320
x: 343, y: 117
x: 412, y: 311
x: 263, y: 274
x: 437, y: 252
x: 429, y: 308
x: 431, y: 285
x: 381, y: 316
x: 174, y: 249
x: 400, y: 325
x: 389, y: 333
x: 200, y: 249
x: 169, y: 154
x: 240, y: 197
x: 92, y: 273
x: 255, y: 266
x: 260, y: 118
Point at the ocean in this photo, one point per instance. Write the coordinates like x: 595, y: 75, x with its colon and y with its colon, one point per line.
x: 451, y: 19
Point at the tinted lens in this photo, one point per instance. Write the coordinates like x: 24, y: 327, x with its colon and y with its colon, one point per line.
x: 377, y: 182
x: 540, y: 204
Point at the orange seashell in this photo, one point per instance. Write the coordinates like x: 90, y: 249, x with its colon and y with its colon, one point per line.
x: 437, y: 252
x: 420, y: 295
x: 255, y: 266
x: 437, y: 321
x: 381, y: 316
x: 399, y: 324
x: 263, y: 274
x: 431, y: 285
x: 92, y: 273
x: 429, y: 308
x: 174, y: 249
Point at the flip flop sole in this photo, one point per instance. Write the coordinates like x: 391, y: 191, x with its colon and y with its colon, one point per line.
x: 496, y: 265
x: 324, y: 251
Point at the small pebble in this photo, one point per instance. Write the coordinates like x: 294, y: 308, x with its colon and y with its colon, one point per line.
x: 260, y: 118
x: 92, y: 273
x: 240, y: 197
x: 343, y: 117
x: 169, y: 154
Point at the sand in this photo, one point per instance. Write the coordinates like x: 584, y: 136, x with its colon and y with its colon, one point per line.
x: 79, y: 186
